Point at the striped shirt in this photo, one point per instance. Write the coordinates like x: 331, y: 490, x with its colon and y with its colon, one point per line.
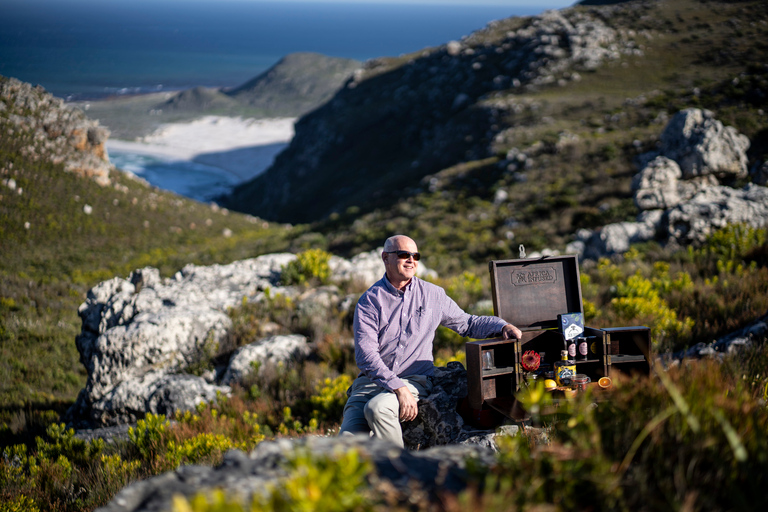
x: 394, y: 330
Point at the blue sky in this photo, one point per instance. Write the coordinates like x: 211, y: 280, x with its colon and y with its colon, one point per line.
x: 540, y: 4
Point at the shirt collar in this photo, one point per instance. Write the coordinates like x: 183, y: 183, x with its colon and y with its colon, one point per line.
x: 389, y: 286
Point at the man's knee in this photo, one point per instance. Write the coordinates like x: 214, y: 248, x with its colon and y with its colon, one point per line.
x: 384, y: 405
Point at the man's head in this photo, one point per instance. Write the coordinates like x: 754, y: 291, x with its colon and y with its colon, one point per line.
x: 400, y: 268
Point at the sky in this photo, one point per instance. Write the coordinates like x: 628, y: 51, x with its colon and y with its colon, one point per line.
x: 541, y: 4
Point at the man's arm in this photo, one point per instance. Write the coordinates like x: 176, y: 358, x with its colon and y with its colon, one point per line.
x: 474, y: 326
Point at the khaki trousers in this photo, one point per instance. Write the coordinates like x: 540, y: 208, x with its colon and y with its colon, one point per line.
x: 373, y: 409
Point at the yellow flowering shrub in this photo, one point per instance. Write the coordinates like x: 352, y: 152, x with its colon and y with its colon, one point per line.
x: 330, y: 397
x: 309, y: 265
x: 200, y: 448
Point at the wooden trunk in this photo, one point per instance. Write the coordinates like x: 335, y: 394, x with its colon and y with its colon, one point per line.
x: 531, y: 293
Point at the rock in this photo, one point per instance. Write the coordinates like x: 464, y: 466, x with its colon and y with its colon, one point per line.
x: 756, y: 332
x: 658, y: 185
x: 616, y: 238
x: 62, y: 135
x: 144, y: 327
x: 433, y: 471
x: 272, y: 350
x: 714, y: 208
x: 677, y: 189
x: 701, y: 145
x: 141, y: 336
x: 439, y: 422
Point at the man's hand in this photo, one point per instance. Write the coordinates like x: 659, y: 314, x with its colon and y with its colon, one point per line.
x: 509, y: 331
x: 408, y: 406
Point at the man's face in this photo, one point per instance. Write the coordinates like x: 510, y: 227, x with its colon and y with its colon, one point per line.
x: 400, y: 270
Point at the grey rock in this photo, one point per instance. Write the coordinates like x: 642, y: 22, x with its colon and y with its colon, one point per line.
x: 178, y: 393
x: 702, y: 145
x: 270, y: 351
x: 139, y: 329
x: 441, y: 469
x: 755, y: 332
x: 141, y: 335
x: 617, y: 238
x: 677, y: 189
x: 714, y: 208
x: 659, y: 185
x: 438, y: 422
x: 62, y: 135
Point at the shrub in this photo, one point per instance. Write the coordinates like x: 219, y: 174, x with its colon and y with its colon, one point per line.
x: 314, y: 483
x: 330, y: 397
x: 310, y: 266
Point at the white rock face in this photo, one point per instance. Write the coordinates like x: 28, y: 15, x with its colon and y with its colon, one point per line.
x: 141, y: 335
x: 272, y: 350
x: 715, y: 208
x: 701, y: 145
x: 678, y: 192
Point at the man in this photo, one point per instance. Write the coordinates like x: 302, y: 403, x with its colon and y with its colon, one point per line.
x: 395, y: 322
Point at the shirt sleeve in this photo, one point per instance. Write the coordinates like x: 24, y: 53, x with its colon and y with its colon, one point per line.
x: 367, y: 357
x: 471, y: 326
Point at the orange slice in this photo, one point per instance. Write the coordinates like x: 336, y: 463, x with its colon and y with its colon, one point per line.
x: 604, y: 382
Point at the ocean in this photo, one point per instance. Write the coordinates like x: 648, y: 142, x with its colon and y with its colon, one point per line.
x: 86, y: 49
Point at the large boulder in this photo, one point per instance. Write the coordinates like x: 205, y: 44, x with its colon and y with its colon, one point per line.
x: 678, y: 192
x: 272, y: 350
x: 400, y: 471
x: 714, y: 208
x: 702, y: 145
x: 439, y: 422
x: 659, y: 185
x: 143, y: 337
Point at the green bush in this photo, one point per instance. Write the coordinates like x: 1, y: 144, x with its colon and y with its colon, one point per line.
x: 310, y: 266
x: 315, y: 483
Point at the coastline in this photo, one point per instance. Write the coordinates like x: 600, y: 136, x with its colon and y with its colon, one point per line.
x: 243, y: 148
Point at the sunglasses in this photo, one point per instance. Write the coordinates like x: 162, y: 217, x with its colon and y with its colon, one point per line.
x: 404, y: 255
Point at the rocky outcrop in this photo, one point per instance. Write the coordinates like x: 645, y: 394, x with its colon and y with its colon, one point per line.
x: 57, y: 133
x: 399, y: 120
x: 439, y: 422
x: 436, y: 470
x: 754, y: 333
x: 702, y: 145
x: 678, y: 189
x: 144, y: 338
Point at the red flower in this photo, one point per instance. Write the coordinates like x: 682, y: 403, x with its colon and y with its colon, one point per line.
x: 531, y: 360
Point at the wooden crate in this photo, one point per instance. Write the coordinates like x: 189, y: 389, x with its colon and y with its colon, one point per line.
x: 531, y: 293
x: 628, y: 349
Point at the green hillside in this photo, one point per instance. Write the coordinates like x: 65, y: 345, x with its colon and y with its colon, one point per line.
x: 409, y: 163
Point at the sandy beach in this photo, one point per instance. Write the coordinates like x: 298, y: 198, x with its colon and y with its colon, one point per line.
x: 244, y: 148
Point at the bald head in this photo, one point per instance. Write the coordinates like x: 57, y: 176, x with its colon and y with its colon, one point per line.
x: 399, y: 242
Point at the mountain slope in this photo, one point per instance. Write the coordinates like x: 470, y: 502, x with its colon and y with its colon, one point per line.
x: 530, y: 125
x: 297, y: 84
